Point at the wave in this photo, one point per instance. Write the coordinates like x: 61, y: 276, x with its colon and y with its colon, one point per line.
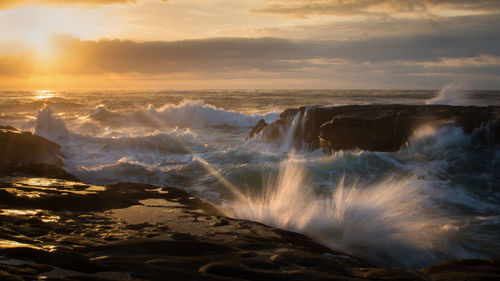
x: 88, y: 151
x: 124, y: 170
x: 188, y: 114
x: 452, y: 94
x: 54, y: 128
x: 388, y: 223
x: 432, y: 200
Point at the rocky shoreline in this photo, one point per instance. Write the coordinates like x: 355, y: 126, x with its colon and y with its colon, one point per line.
x: 55, y: 227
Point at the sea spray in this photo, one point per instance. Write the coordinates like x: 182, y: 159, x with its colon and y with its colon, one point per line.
x: 187, y: 114
x: 452, y: 94
x: 288, y: 139
x: 386, y: 223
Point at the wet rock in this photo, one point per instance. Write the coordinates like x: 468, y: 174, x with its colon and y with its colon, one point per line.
x: 50, y: 239
x: 257, y: 129
x: 22, y: 153
x: 373, y: 131
x: 37, y: 170
x: 9, y: 277
x: 24, y: 147
x: 374, y: 127
x: 393, y: 274
x: 182, y: 236
x: 165, y: 247
x: 471, y: 270
x: 221, y: 222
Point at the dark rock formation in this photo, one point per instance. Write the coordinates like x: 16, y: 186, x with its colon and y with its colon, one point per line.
x: 116, y: 237
x: 24, y: 147
x: 23, y: 153
x: 257, y: 129
x: 471, y: 269
x: 373, y: 127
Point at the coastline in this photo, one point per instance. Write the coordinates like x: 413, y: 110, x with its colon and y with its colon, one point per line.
x: 57, y: 227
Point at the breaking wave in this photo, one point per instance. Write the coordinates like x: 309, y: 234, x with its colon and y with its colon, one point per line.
x: 188, y: 114
x: 452, y: 94
x: 387, y: 207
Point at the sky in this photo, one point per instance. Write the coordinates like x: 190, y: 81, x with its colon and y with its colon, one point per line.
x: 249, y: 44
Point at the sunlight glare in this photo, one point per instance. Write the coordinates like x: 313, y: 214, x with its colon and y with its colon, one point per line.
x: 44, y: 94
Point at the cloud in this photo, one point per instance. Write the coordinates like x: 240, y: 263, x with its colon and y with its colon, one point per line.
x: 461, y: 48
x: 8, y: 4
x: 460, y: 38
x: 12, y: 65
x: 375, y: 8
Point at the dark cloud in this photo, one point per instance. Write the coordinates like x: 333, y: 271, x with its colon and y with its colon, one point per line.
x: 463, y: 37
x: 373, y: 8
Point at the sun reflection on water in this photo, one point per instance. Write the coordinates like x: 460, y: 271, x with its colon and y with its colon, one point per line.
x: 44, y: 94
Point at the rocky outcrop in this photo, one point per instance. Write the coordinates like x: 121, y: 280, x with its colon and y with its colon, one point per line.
x: 24, y: 147
x: 257, y: 129
x: 373, y: 127
x: 25, y: 153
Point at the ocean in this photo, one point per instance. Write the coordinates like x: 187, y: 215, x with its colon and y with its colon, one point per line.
x: 436, y: 198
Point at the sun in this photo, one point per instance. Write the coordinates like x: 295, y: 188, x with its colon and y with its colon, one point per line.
x: 33, y: 28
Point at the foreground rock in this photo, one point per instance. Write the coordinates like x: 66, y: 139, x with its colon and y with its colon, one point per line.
x: 132, y: 231
x: 373, y: 127
x: 128, y: 231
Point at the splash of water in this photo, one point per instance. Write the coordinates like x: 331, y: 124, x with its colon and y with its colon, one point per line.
x: 452, y: 94
x: 289, y: 135
x: 188, y: 114
x: 387, y: 223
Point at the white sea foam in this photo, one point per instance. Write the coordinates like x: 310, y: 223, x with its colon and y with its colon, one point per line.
x: 452, y: 94
x: 400, y: 213
x: 188, y: 114
x: 387, y: 223
x: 106, y: 160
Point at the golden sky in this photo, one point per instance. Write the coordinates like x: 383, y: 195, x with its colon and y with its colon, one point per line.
x: 193, y: 44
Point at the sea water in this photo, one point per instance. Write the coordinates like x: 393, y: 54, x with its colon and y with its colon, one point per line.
x: 437, y: 198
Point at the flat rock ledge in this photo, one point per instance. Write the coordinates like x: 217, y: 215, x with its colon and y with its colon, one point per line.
x: 373, y: 127
x: 53, y: 229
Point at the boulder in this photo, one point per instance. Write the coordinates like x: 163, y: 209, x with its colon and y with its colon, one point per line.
x: 24, y: 147
x: 22, y: 153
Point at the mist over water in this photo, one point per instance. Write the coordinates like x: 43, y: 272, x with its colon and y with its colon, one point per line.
x: 436, y: 198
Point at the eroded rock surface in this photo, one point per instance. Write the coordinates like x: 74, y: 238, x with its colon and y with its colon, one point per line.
x: 133, y: 231
x: 145, y: 232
